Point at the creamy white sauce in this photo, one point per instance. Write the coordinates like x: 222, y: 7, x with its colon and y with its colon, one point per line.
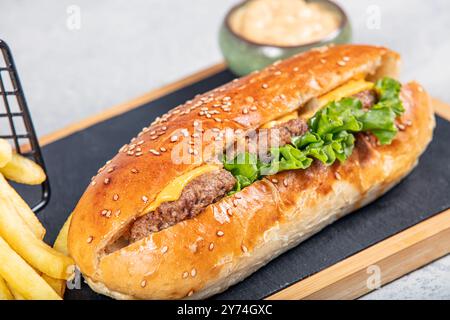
x: 284, y: 22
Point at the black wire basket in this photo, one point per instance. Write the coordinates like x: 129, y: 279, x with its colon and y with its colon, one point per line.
x: 15, y: 120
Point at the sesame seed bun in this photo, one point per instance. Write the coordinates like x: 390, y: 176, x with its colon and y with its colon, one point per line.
x: 234, y: 237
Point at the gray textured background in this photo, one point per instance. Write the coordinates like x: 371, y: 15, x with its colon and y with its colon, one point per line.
x: 126, y: 48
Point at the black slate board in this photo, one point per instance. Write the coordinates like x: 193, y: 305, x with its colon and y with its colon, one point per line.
x: 73, y: 160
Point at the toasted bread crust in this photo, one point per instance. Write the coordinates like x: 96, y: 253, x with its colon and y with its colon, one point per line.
x: 232, y: 238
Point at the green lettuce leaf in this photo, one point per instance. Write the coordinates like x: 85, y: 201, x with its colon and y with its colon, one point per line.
x: 331, y: 136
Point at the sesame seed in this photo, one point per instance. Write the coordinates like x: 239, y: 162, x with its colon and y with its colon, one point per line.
x: 211, y: 246
x: 341, y: 63
x: 115, y: 197
x: 164, y: 249
x: 163, y: 149
x: 106, y: 181
x: 106, y: 213
x: 253, y: 108
x: 323, y: 61
x: 195, y: 123
x: 185, y: 275
x: 401, y: 127
x: 296, y: 69
x: 140, y: 142
x: 229, y: 212
x: 193, y: 272
x: 346, y: 59
x: 145, y: 199
x: 117, y: 213
x: 93, y: 183
x: 173, y: 138
x: 337, y: 176
x: 275, y: 181
x: 226, y: 99
x: 265, y: 86
x: 143, y: 283
x: 245, y: 111
x: 277, y: 73
x: 156, y: 153
x: 220, y: 233
x: 89, y: 239
x: 190, y: 293
x: 244, y: 249
x: 218, y: 119
x: 134, y: 171
x: 235, y: 203
x: 285, y: 182
x: 138, y: 154
x: 250, y: 99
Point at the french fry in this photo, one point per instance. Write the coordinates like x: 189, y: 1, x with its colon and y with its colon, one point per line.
x: 16, y: 294
x: 5, y: 153
x: 5, y: 293
x: 60, y: 245
x: 37, y: 253
x: 61, y: 240
x: 23, y: 278
x: 23, y: 209
x: 58, y: 285
x: 23, y: 170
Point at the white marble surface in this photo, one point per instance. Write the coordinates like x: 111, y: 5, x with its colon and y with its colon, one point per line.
x: 126, y: 48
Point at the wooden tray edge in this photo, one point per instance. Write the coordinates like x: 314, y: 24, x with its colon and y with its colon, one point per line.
x: 395, y: 256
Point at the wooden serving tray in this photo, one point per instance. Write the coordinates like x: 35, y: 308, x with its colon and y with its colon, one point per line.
x: 396, y: 245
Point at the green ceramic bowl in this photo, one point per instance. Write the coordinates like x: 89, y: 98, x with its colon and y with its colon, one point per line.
x: 244, y: 56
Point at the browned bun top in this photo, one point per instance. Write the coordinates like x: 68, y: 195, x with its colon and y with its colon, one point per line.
x: 132, y: 179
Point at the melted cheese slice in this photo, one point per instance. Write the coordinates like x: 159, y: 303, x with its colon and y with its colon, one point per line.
x: 172, y: 191
x: 347, y: 90
x: 286, y: 118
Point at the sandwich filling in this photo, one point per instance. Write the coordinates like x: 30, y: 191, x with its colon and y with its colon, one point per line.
x: 328, y: 136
